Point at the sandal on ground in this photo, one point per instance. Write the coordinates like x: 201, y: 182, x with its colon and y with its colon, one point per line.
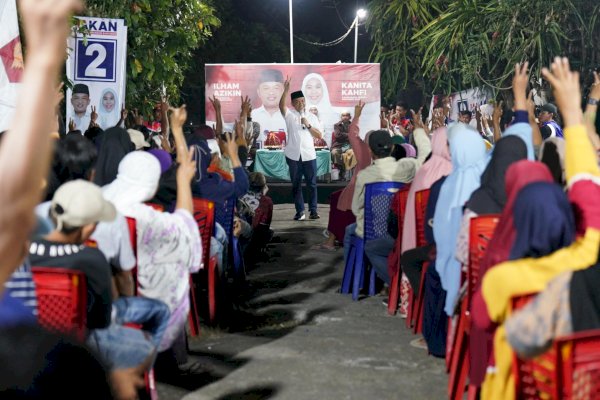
x: 419, y: 343
x: 323, y: 246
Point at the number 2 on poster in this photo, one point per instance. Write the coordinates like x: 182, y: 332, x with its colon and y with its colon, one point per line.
x: 95, y: 60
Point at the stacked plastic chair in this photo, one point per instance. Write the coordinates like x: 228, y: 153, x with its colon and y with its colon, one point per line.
x: 378, y: 197
x: 480, y: 233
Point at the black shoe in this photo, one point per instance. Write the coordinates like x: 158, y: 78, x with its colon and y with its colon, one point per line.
x: 300, y: 216
x: 314, y: 215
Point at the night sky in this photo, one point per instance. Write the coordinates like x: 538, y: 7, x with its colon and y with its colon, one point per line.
x: 321, y: 20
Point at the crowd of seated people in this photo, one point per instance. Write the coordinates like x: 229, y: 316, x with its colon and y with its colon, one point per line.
x: 542, y: 233
x: 117, y: 207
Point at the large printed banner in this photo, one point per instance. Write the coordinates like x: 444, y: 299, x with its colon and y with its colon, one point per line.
x: 329, y: 89
x: 11, y: 65
x: 466, y: 100
x: 96, y: 66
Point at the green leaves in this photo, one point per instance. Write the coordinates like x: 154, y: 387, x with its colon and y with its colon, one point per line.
x: 455, y: 44
x: 162, y: 35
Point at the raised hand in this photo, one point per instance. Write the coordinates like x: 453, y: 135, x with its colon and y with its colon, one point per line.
x: 46, y: 26
x: 230, y: 144
x: 498, y: 111
x: 519, y: 83
x: 187, y: 165
x: 93, y: 115
x: 566, y: 89
x: 358, y: 109
x: 286, y: 84
x: 240, y: 138
x: 216, y: 103
x: 178, y: 116
x: 123, y: 112
x: 138, y: 119
x: 418, y: 119
x: 246, y: 106
x: 72, y: 126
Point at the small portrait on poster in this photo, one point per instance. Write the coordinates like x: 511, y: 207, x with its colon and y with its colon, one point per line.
x: 108, y: 109
x: 80, y: 101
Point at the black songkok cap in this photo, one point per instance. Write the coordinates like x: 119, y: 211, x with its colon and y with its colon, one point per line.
x: 297, y: 94
x: 81, y: 88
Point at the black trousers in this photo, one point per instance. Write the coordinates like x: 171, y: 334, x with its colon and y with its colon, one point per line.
x: 412, y: 263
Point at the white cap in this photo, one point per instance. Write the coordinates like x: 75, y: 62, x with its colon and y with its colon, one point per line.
x: 137, y: 138
x: 79, y: 203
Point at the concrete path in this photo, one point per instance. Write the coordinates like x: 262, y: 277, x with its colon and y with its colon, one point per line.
x: 297, y: 338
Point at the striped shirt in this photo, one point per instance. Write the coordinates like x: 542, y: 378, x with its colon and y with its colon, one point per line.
x: 20, y: 286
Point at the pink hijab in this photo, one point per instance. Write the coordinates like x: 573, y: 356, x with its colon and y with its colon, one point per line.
x: 438, y: 165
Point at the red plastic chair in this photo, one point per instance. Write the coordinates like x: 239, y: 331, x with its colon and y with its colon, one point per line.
x: 577, y: 367
x: 204, y: 214
x: 481, y: 231
x: 421, y: 200
x: 62, y: 300
x: 395, y: 284
x: 533, y: 378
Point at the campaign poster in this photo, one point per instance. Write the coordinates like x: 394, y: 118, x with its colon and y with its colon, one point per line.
x: 96, y: 66
x: 11, y: 65
x: 467, y: 100
x: 329, y: 90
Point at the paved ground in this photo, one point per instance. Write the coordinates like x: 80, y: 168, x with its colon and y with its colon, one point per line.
x: 297, y: 338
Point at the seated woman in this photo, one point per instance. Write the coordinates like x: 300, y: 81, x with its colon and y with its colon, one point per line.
x: 168, y: 244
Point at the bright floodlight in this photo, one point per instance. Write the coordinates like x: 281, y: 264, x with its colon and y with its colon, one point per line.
x: 361, y: 13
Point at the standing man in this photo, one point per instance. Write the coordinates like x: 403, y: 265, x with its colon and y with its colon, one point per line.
x: 80, y: 100
x: 270, y: 92
x: 300, y: 151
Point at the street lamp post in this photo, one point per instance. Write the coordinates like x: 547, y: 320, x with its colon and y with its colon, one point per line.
x: 292, y: 34
x: 360, y: 14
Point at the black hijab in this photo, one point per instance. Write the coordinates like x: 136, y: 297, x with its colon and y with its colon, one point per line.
x: 114, y: 145
x: 584, y: 297
x: 490, y: 197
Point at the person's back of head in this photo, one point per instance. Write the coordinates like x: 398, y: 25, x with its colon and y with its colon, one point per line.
x: 257, y: 182
x: 380, y: 143
x: 75, y: 158
x: 40, y: 365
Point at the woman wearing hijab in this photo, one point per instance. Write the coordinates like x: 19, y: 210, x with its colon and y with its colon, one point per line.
x: 491, y: 196
x: 108, y: 109
x: 468, y: 162
x: 114, y: 144
x: 438, y: 165
x: 316, y: 94
x: 543, y: 231
x: 518, y: 175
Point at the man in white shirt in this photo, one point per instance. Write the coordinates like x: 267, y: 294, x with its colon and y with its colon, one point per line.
x: 270, y: 91
x: 80, y: 100
x: 300, y: 151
